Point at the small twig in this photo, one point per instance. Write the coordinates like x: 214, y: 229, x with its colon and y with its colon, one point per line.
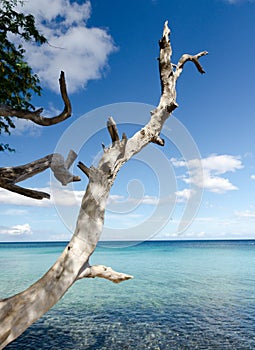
x: 185, y: 58
x: 158, y: 140
x: 113, y: 131
x: 124, y: 137
x: 84, y: 169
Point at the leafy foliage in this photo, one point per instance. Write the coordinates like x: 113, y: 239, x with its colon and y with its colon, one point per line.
x: 17, y: 81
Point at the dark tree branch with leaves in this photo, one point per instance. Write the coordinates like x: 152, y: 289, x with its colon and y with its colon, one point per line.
x: 17, y: 84
x: 17, y: 81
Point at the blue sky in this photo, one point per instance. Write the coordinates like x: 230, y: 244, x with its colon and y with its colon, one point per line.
x: 109, y: 51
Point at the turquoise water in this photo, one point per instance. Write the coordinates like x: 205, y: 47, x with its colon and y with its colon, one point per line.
x: 185, y: 295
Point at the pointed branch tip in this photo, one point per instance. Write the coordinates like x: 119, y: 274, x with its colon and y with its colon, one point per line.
x: 124, y: 136
x: 158, y: 140
x: 84, y: 169
x: 113, y: 131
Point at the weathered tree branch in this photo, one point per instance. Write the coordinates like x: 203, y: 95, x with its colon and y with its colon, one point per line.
x: 11, y: 175
x: 84, y: 169
x: 35, y: 117
x: 17, y: 313
x: 185, y: 58
x: 158, y: 140
x: 60, y: 168
x: 104, y: 272
x: 113, y: 131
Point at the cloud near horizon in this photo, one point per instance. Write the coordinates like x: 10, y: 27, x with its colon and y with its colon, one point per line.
x: 207, y: 172
x: 80, y: 51
x: 17, y: 230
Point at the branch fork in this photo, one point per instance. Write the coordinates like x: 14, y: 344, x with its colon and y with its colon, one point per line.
x: 73, y: 263
x: 12, y: 175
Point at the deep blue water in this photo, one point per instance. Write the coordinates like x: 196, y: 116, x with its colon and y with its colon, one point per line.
x: 185, y: 295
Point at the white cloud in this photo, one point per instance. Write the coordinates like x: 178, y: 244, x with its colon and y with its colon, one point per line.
x: 7, y: 197
x: 17, y: 230
x: 81, y: 51
x: 221, y: 164
x: 245, y: 214
x: 183, y: 235
x: 253, y: 177
x: 27, y: 127
x: 67, y: 197
x: 150, y: 200
x: 121, y: 216
x: 183, y: 195
x: 206, y: 172
x: 115, y: 200
x: 15, y: 212
x: 61, y: 237
x: 59, y: 196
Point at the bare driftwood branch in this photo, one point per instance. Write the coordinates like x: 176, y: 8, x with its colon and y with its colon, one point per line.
x: 11, y: 175
x: 113, y: 131
x: 104, y: 272
x: 158, y: 140
x: 18, y: 312
x: 195, y: 59
x: 7, y: 111
x: 84, y: 169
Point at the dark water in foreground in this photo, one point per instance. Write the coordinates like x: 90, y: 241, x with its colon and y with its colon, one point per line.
x: 185, y: 295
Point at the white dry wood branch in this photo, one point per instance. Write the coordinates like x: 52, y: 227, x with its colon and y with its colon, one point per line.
x: 18, y: 312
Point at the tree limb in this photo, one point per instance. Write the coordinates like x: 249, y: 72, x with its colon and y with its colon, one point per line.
x: 11, y: 175
x: 84, y: 169
x: 25, y: 191
x: 35, y: 117
x: 185, y: 58
x: 113, y: 131
x: 17, y: 313
x: 104, y: 272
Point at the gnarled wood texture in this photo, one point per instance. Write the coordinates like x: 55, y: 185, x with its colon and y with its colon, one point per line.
x: 11, y: 175
x: 17, y: 313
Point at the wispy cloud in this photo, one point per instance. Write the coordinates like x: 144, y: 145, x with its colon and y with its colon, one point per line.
x: 234, y: 2
x: 81, y: 51
x: 15, y: 212
x: 207, y: 172
x: 27, y: 127
x: 245, y: 214
x: 59, y: 196
x: 126, y: 204
x: 60, y: 237
x: 7, y: 197
x: 182, y: 196
x: 17, y: 230
x: 184, y: 235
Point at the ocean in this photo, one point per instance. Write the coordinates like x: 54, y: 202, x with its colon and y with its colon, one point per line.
x: 184, y: 295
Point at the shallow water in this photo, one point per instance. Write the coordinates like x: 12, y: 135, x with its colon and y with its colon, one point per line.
x: 185, y: 295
